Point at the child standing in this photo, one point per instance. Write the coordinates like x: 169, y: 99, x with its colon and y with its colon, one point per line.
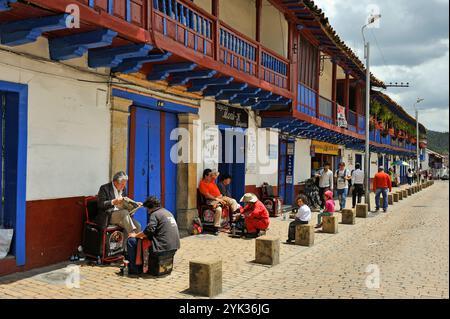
x: 303, y: 217
x: 329, y: 208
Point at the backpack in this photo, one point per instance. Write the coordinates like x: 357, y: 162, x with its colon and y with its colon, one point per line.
x: 345, y: 174
x: 197, y: 227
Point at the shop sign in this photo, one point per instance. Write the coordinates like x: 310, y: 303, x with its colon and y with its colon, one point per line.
x: 325, y: 148
x: 232, y: 116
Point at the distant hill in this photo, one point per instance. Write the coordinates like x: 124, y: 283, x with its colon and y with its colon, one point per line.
x: 438, y: 142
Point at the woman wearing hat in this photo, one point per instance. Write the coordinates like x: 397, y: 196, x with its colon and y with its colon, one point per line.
x: 256, y: 215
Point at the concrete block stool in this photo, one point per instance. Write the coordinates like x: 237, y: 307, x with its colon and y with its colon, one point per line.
x: 400, y: 195
x: 304, y: 235
x: 205, y: 277
x: 405, y: 193
x: 396, y: 197
x: 409, y: 191
x: 362, y: 210
x: 349, y: 217
x: 391, y: 199
x: 330, y: 224
x: 267, y: 251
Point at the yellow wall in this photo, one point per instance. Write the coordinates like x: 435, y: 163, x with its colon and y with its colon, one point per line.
x: 240, y: 15
x: 204, y: 4
x: 274, y: 29
x: 326, y: 79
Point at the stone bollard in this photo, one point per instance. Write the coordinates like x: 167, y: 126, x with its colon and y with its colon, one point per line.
x: 400, y: 195
x: 409, y: 191
x: 304, y: 235
x: 205, y: 278
x: 396, y: 197
x: 267, y: 251
x: 405, y: 193
x: 362, y: 210
x: 349, y: 217
x: 330, y: 225
x: 391, y: 199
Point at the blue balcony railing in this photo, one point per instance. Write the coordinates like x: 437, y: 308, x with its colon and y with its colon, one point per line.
x: 326, y: 110
x: 307, y: 101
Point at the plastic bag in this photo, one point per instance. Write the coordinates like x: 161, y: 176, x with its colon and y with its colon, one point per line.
x: 6, y: 236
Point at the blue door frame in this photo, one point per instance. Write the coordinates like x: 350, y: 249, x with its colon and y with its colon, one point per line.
x: 16, y: 162
x: 153, y: 168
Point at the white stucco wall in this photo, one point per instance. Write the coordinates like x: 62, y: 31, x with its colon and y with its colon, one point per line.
x: 264, y: 170
x: 68, y: 125
x: 302, y: 165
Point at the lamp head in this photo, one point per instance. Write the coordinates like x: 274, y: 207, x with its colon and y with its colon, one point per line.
x: 374, y: 18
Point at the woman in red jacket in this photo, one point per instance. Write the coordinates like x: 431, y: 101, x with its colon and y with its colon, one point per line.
x: 256, y: 215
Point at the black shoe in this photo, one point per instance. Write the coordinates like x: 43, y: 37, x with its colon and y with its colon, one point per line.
x: 289, y: 242
x: 377, y: 210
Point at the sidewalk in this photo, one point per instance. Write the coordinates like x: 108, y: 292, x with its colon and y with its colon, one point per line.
x: 242, y: 278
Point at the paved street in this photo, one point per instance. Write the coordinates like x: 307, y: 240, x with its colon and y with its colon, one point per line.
x: 409, y: 246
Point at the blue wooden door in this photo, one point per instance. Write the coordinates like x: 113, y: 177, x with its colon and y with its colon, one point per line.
x: 147, y: 178
x: 282, y: 170
x: 232, y: 160
x: 155, y: 173
x: 170, y: 171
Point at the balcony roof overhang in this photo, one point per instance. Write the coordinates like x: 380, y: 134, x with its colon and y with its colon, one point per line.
x: 311, y: 20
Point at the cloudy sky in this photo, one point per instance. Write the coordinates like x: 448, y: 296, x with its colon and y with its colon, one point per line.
x: 411, y: 44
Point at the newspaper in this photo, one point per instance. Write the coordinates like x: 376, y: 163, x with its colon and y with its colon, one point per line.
x: 130, y: 205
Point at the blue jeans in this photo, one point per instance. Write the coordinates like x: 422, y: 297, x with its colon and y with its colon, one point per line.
x: 342, y: 196
x: 132, y: 244
x: 385, y: 192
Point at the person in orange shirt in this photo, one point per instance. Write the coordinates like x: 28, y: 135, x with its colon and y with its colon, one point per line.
x: 213, y: 196
x: 382, y: 184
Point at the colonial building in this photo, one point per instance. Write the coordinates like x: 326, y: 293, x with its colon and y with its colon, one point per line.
x: 91, y: 87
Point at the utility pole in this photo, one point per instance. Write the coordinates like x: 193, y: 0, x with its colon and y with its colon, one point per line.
x: 419, y: 100
x: 372, y: 20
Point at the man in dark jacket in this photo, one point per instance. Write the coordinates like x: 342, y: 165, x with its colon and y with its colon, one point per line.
x: 162, y: 231
x: 110, y: 199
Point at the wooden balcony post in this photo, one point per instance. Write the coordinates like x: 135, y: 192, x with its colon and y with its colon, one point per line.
x: 258, y: 20
x: 318, y: 85
x: 293, y: 62
x: 334, y: 90
x: 347, y: 94
x: 215, y: 12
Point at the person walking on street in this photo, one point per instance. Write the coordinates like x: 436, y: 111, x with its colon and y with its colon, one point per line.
x: 343, y: 177
x: 325, y: 183
x: 358, y: 185
x: 410, y: 177
x: 382, y: 185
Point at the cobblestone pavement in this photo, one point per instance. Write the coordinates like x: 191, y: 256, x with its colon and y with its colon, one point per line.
x: 409, y: 245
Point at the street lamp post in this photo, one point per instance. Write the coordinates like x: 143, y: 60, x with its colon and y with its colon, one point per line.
x: 419, y: 100
x: 371, y: 20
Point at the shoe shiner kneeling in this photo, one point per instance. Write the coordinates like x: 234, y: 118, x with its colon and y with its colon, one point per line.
x: 329, y: 208
x: 159, y: 239
x: 303, y: 217
x: 256, y: 215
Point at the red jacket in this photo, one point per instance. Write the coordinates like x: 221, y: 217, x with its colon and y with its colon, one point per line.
x: 259, y: 211
x: 382, y: 180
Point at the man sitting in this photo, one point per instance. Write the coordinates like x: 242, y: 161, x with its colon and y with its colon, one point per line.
x: 161, y: 231
x: 110, y: 200
x: 209, y: 189
x: 256, y: 215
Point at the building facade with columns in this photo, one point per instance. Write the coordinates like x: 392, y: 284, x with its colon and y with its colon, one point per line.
x: 163, y: 90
